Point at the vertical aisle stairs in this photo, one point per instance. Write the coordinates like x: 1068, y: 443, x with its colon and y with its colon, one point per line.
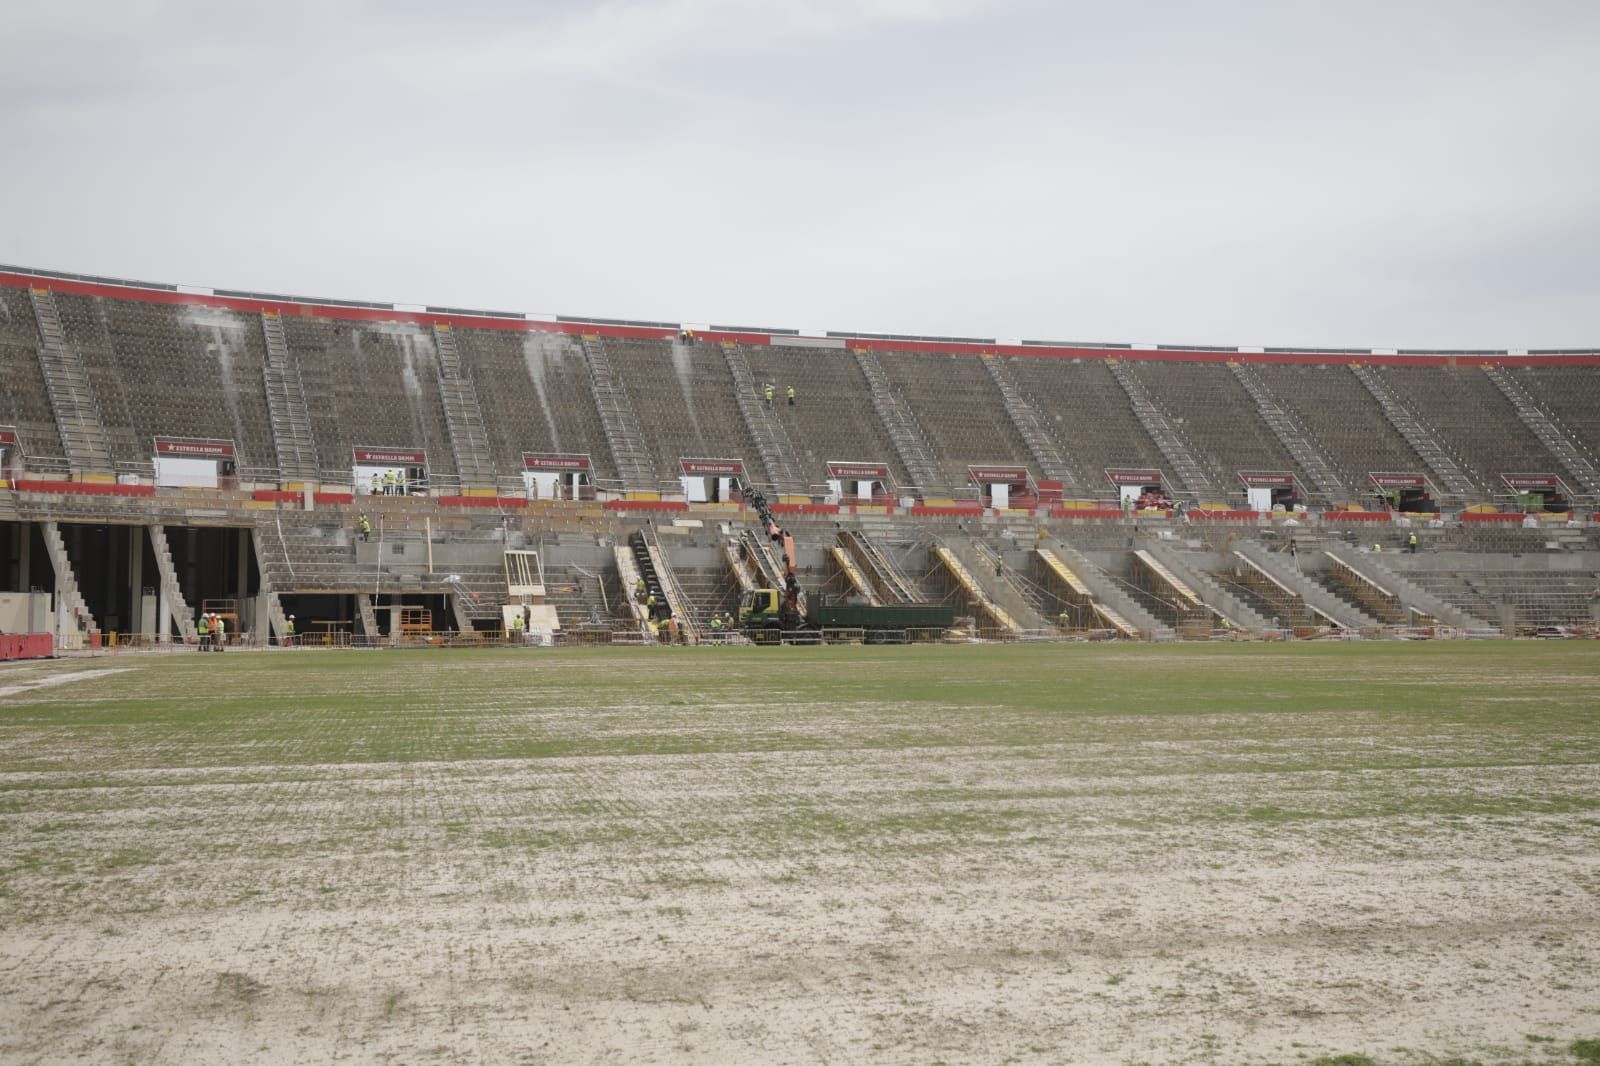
x: 1551, y: 433
x: 1301, y: 445
x: 83, y: 432
x: 618, y: 420
x: 1452, y: 479
x: 469, y: 435
x: 916, y: 455
x: 1190, y: 474
x: 1053, y: 465
x: 292, y: 438
x: 777, y: 452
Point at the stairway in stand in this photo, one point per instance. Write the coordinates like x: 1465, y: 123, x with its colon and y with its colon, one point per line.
x: 276, y: 618
x: 618, y: 419
x: 286, y: 406
x: 1190, y: 474
x: 469, y: 436
x: 1551, y: 433
x: 772, y: 440
x: 1307, y: 453
x: 70, y: 602
x: 1452, y: 479
x: 77, y: 415
x: 916, y: 455
x: 182, y: 614
x: 660, y: 582
x: 1053, y: 465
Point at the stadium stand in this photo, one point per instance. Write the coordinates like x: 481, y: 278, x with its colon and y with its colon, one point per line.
x: 1218, y: 414
x: 960, y: 412
x: 96, y: 373
x: 371, y: 385
x: 833, y: 418
x: 1333, y: 405
x: 1089, y: 414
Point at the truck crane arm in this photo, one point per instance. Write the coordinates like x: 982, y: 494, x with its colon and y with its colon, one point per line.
x: 789, y: 611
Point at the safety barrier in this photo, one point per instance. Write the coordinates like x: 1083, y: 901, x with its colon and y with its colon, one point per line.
x: 26, y: 646
x: 630, y: 636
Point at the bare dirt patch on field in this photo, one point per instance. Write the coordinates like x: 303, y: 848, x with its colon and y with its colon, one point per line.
x: 845, y: 880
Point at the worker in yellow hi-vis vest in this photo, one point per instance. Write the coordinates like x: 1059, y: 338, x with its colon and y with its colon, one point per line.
x: 203, y: 627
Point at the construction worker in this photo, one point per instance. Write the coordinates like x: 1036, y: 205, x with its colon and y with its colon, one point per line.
x: 203, y: 627
x: 790, y: 393
x: 769, y: 394
x: 650, y: 605
x: 364, y: 524
x: 288, y: 632
x: 219, y: 633
x: 388, y: 482
x: 1411, y: 543
x: 400, y: 483
x: 377, y: 483
x: 516, y: 628
x: 1064, y: 619
x: 716, y: 627
x: 638, y: 589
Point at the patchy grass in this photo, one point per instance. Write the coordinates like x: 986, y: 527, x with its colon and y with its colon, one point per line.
x: 1174, y: 853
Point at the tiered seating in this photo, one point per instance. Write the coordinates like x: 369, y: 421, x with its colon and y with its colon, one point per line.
x: 1474, y: 419
x: 1220, y: 418
x: 1548, y: 598
x: 86, y: 330
x: 371, y: 386
x: 960, y: 412
x: 685, y: 403
x: 1090, y: 414
x: 1572, y: 394
x: 833, y: 417
x: 534, y: 392
x: 24, y: 399
x: 188, y: 376
x: 1339, y: 411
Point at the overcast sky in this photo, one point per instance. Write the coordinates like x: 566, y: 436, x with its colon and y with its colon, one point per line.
x: 1340, y: 173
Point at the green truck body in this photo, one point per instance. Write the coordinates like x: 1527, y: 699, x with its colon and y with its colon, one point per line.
x: 762, y: 610
x: 892, y: 616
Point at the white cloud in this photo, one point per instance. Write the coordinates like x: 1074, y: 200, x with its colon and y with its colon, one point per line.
x: 1233, y: 172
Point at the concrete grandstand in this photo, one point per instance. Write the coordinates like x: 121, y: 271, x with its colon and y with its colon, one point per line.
x: 165, y: 450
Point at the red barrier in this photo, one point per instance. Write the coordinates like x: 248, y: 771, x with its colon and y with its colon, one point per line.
x: 482, y: 501
x: 1099, y: 513
x: 1224, y: 516
x: 274, y: 496
x: 333, y: 497
x: 962, y: 509
x: 26, y: 646
x: 84, y: 488
x: 1508, y: 518
x: 645, y: 505
x: 805, y: 508
x: 1355, y: 516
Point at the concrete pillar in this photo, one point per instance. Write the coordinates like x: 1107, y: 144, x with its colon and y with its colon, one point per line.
x: 241, y: 583
x: 163, y: 617
x: 25, y: 559
x: 136, y: 579
x: 111, y: 614
x: 64, y: 620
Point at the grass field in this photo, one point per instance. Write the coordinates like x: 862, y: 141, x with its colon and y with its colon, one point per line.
x: 1239, y: 853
